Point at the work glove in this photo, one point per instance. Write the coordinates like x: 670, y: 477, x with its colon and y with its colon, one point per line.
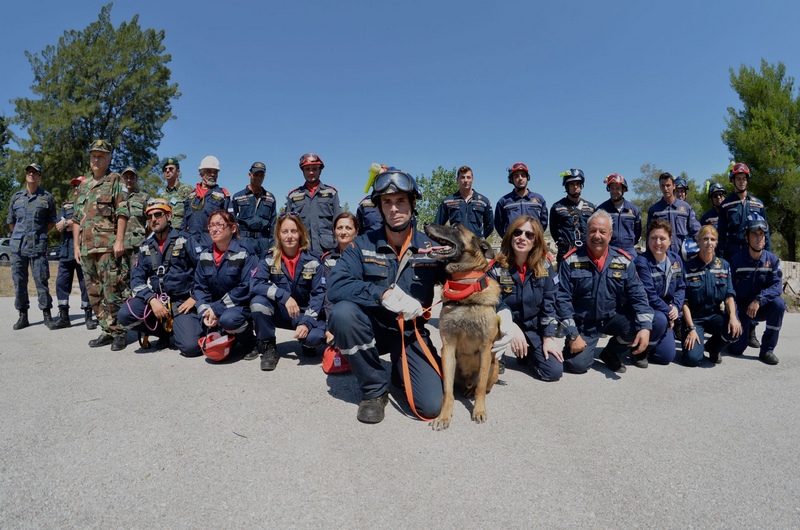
x: 508, y: 330
x: 399, y: 302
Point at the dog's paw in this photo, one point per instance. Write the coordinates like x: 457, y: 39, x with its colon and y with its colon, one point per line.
x: 479, y: 416
x: 440, y: 423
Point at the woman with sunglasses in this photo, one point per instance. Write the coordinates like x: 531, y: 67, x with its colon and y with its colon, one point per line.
x: 288, y: 292
x: 222, y: 278
x: 661, y: 273
x: 527, y: 286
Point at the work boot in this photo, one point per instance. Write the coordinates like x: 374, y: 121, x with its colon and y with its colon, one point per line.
x: 640, y: 360
x: 612, y: 361
x: 118, y: 343
x: 752, y: 340
x: 63, y: 319
x: 22, y: 322
x: 48, y: 318
x: 90, y: 322
x: 373, y: 410
x: 309, y: 351
x: 103, y: 340
x: 269, y: 354
x: 768, y: 357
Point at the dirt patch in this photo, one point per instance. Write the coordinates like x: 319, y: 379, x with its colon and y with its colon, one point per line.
x: 7, y: 283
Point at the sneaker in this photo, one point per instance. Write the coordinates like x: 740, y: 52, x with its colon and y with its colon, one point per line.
x: 640, y: 360
x: 752, y: 340
x: 768, y: 357
x: 373, y: 410
x: 612, y: 361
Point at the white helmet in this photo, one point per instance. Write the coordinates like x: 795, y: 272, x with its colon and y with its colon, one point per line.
x: 209, y: 162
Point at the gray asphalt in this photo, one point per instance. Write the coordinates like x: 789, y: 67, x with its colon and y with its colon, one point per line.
x: 143, y: 439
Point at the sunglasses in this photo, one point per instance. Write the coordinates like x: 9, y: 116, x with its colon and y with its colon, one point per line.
x: 528, y: 234
x: 155, y: 215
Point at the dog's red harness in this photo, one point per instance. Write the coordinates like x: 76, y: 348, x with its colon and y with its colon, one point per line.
x: 456, y: 289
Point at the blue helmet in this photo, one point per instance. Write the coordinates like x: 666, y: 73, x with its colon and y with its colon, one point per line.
x: 716, y: 187
x: 573, y: 175
x: 756, y: 222
x: 689, y: 249
x: 680, y: 182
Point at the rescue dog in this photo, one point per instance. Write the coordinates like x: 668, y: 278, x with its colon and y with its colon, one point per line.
x: 468, y: 321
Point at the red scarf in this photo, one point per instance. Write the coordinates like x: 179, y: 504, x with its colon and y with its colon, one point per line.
x: 291, y: 264
x: 218, y: 254
x: 312, y: 191
x: 201, y: 191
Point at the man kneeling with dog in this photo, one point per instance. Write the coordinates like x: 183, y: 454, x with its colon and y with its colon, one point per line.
x: 382, y: 274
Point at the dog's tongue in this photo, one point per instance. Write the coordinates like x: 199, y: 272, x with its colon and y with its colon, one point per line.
x: 434, y: 249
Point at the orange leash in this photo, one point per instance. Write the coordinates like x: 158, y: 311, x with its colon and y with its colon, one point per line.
x: 406, y: 374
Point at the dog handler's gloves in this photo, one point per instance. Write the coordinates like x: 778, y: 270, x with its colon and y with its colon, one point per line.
x: 397, y: 301
x: 508, y: 329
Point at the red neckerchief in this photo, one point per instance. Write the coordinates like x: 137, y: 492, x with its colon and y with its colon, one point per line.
x: 201, y: 191
x: 312, y: 191
x: 291, y: 264
x: 162, y: 244
x: 522, y: 272
x: 455, y: 289
x: 598, y: 262
x: 218, y: 254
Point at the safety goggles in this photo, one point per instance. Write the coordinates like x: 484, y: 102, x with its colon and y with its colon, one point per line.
x: 289, y: 214
x: 527, y: 233
x: 401, y: 181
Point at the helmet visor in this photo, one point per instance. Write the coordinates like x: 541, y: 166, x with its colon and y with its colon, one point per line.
x: 393, y: 182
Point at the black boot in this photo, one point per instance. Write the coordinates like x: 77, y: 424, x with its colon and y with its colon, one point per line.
x: 269, y: 354
x: 63, y: 319
x: 752, y: 339
x: 22, y: 322
x: 48, y: 318
x: 90, y: 322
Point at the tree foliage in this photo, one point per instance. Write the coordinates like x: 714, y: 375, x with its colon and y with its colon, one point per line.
x: 8, y: 183
x: 440, y: 184
x: 765, y: 134
x: 99, y: 82
x: 647, y: 191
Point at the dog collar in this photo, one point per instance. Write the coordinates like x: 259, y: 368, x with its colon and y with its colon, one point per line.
x: 456, y: 289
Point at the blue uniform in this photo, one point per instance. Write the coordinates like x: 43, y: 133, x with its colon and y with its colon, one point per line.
x: 198, y: 209
x: 272, y: 287
x: 707, y: 286
x: 665, y: 288
x: 532, y: 301
x: 475, y: 214
x: 626, y: 222
x: 363, y: 328
x: 317, y: 212
x: 329, y: 260
x: 67, y: 266
x: 369, y: 218
x: 256, y: 219
x: 170, y: 277
x: 225, y: 289
x: 711, y: 217
x: 758, y: 279
x: 733, y: 213
x: 591, y: 302
x: 568, y: 221
x: 31, y: 214
x: 511, y: 206
x: 681, y: 218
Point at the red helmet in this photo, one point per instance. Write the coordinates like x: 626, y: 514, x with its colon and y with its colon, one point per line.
x: 518, y: 166
x: 310, y: 159
x: 615, y: 178
x: 739, y: 168
x: 216, y: 346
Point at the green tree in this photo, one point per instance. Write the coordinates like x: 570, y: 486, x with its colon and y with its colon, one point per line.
x: 765, y: 134
x: 440, y: 184
x: 8, y: 183
x: 100, y: 82
x: 647, y: 191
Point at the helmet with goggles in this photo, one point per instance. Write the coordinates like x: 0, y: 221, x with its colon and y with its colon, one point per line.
x: 572, y: 175
x: 615, y: 178
x: 393, y: 180
x: 518, y: 166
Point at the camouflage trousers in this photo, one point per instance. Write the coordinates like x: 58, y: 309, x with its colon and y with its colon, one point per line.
x: 107, y: 279
x: 41, y: 276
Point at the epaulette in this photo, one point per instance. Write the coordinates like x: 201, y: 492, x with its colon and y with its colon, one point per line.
x: 331, y: 187
x: 571, y: 252
x: 225, y: 192
x: 624, y: 254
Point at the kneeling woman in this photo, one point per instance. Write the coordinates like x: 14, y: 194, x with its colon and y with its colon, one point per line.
x: 526, y: 279
x: 288, y: 292
x: 221, y: 281
x: 708, y: 284
x: 661, y: 272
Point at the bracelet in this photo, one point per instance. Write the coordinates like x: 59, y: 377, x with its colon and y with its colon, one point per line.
x: 690, y: 328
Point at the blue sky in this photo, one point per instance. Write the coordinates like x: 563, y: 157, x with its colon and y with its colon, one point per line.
x: 605, y: 87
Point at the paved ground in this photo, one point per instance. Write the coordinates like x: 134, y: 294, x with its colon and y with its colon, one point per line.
x: 149, y: 439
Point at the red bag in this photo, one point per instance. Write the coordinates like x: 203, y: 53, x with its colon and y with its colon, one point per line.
x: 333, y: 362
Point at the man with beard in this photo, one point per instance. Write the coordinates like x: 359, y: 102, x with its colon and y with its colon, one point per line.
x: 568, y: 216
x: 519, y: 201
x: 162, y: 283
x: 626, y: 219
x: 205, y: 199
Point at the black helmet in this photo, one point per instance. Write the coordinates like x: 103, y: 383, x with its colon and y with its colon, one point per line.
x: 756, y: 222
x: 394, y: 180
x: 680, y: 183
x: 573, y: 175
x: 715, y: 188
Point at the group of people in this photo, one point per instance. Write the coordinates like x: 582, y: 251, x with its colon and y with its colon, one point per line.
x: 363, y: 283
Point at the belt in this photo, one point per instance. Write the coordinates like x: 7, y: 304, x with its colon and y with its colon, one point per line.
x: 254, y: 235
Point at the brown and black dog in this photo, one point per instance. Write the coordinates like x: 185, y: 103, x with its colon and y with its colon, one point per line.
x: 468, y: 321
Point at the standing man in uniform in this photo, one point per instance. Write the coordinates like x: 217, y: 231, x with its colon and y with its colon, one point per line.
x: 519, y: 201
x: 568, y: 216
x: 467, y: 207
x: 136, y: 230
x: 205, y: 199
x: 626, y: 219
x: 176, y: 192
x: 716, y: 192
x: 316, y: 203
x: 67, y: 266
x: 678, y: 213
x: 31, y: 216
x: 254, y: 209
x: 99, y: 223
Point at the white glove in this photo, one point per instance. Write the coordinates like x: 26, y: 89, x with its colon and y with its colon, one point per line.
x: 397, y: 301
x: 508, y: 330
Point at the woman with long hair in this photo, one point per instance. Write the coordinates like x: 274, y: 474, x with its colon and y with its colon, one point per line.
x: 288, y: 292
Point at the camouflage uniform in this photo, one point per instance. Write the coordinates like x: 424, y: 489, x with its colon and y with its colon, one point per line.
x: 100, y: 202
x: 30, y: 213
x: 136, y: 230
x: 177, y: 198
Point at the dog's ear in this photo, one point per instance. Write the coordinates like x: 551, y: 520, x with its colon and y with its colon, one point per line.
x: 488, y: 251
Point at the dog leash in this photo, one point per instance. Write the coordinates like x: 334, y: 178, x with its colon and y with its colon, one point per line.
x: 404, y: 360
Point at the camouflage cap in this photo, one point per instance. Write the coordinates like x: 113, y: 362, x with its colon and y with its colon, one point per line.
x: 158, y: 203
x: 100, y: 145
x: 171, y: 162
x: 258, y: 166
x: 130, y: 169
x: 35, y: 166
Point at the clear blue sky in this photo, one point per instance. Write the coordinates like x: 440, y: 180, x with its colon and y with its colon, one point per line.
x: 605, y: 87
